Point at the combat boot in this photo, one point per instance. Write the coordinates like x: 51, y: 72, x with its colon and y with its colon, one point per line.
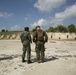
x: 42, y: 61
x: 29, y: 61
x: 38, y: 61
x: 23, y: 60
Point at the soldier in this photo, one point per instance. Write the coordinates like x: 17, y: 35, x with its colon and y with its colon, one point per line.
x: 39, y: 38
x: 26, y: 40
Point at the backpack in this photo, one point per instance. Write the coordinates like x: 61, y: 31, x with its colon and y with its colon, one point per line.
x: 40, y: 36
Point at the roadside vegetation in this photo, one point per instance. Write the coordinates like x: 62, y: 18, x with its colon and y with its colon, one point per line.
x: 61, y: 28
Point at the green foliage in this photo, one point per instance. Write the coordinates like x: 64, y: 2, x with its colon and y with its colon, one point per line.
x: 71, y: 28
x: 33, y: 29
x: 3, y: 30
x: 61, y: 28
x: 6, y: 30
x: 51, y: 29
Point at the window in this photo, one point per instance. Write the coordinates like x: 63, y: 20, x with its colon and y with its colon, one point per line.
x: 51, y: 36
x: 59, y: 38
x: 67, y: 36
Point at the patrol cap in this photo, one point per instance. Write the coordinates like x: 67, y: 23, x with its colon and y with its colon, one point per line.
x: 26, y: 28
x: 37, y: 26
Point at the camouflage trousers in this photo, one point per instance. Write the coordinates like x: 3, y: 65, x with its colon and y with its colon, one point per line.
x: 40, y: 49
x: 28, y: 50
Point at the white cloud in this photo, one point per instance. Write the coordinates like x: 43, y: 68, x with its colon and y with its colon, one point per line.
x: 51, y: 22
x: 26, y: 19
x: 41, y: 22
x: 55, y: 21
x: 48, y: 5
x: 5, y: 14
x: 29, y: 15
x: 16, y: 27
x: 59, y: 18
x: 69, y: 12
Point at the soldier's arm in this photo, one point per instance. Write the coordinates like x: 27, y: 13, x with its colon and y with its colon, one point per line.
x: 46, y: 37
x: 29, y: 36
x: 21, y: 36
x: 34, y: 37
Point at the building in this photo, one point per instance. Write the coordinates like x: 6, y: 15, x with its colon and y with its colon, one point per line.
x: 61, y: 35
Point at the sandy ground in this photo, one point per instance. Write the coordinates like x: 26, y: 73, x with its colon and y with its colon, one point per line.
x: 60, y: 59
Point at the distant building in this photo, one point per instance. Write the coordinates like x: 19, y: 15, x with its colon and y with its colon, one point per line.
x: 61, y: 35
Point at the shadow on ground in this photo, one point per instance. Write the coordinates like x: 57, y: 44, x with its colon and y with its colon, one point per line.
x: 51, y: 59
x: 6, y: 58
x: 46, y: 59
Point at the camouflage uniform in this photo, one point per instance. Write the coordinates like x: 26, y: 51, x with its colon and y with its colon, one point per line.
x: 26, y: 40
x: 40, y: 48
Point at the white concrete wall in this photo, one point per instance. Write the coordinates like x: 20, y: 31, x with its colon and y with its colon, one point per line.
x: 50, y: 36
x: 61, y: 35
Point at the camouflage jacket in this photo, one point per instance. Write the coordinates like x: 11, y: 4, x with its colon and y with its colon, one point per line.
x: 35, y: 38
x: 25, y: 38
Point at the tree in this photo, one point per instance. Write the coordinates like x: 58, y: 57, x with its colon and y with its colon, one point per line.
x: 71, y: 28
x: 33, y: 29
x: 6, y: 30
x: 61, y: 28
x: 51, y: 29
x: 3, y: 30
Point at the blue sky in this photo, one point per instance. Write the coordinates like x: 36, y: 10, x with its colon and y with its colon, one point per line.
x: 16, y: 14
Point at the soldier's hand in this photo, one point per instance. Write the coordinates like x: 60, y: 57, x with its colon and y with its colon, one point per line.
x: 44, y: 42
